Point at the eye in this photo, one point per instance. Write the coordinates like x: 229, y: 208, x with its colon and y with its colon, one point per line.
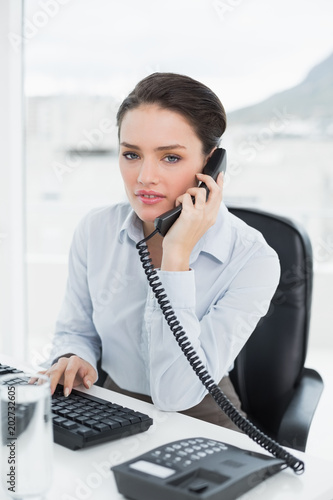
x: 130, y: 156
x: 172, y: 158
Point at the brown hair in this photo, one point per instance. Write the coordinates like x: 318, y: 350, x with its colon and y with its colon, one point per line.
x: 184, y: 95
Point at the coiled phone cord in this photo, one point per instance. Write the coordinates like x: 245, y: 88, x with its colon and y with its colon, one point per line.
x: 219, y: 397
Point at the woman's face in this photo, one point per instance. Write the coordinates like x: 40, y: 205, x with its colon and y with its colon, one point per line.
x: 159, y: 156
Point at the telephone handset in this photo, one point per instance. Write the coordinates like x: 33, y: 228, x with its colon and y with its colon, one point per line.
x: 217, y: 163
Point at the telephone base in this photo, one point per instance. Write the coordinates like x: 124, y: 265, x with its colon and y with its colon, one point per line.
x: 196, y: 468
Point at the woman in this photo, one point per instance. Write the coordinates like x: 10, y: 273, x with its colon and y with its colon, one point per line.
x: 219, y: 274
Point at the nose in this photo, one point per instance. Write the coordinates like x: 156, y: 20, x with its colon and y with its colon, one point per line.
x: 148, y: 173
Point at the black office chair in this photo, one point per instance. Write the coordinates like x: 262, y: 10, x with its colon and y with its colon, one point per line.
x: 277, y: 392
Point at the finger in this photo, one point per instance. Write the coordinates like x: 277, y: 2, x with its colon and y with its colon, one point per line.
x: 188, y: 199
x: 32, y: 380
x: 39, y: 381
x: 55, y: 373
x: 208, y: 180
x: 200, y: 196
x: 179, y: 200
x: 70, y: 373
x: 220, y: 179
x: 215, y: 189
x: 54, y: 381
x: 88, y: 375
x: 184, y: 199
x: 87, y: 382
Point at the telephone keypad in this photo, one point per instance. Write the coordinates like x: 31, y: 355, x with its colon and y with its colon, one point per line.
x: 182, y: 454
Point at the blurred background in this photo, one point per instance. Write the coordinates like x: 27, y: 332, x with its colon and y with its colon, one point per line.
x: 71, y: 62
x: 271, y: 64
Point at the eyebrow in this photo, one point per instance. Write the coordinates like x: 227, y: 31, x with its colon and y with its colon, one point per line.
x: 160, y: 148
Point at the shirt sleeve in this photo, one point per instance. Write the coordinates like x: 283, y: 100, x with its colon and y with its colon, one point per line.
x: 75, y: 331
x: 217, y: 338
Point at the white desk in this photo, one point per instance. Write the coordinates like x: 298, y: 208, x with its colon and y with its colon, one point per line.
x: 86, y: 475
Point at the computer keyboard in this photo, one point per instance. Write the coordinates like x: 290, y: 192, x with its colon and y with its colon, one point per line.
x: 81, y: 420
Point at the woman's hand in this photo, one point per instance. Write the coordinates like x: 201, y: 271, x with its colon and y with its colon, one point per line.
x: 193, y: 222
x: 71, y: 372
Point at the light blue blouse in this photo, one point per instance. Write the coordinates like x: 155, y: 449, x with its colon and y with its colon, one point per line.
x: 108, y: 304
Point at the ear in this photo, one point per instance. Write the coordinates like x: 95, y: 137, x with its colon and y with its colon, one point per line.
x: 209, y: 155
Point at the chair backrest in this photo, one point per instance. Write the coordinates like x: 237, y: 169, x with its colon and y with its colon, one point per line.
x: 270, y: 365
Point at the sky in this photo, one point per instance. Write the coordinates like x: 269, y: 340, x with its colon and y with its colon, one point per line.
x: 245, y: 50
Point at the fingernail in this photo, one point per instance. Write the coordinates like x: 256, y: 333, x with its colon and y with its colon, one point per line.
x: 88, y: 384
x: 66, y: 392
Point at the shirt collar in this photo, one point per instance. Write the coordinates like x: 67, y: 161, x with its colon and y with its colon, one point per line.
x: 132, y: 225
x: 216, y: 241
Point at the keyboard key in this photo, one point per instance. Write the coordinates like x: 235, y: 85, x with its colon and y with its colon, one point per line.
x: 86, y: 432
x: 133, y: 419
x: 81, y: 419
x: 101, y: 427
x: 111, y: 423
x: 72, y: 415
x: 56, y: 408
x: 88, y: 414
x: 91, y: 422
x: 58, y: 420
x: 68, y: 424
x: 121, y: 420
x: 142, y: 416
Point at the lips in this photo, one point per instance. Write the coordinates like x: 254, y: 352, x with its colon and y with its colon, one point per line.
x: 149, y: 197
